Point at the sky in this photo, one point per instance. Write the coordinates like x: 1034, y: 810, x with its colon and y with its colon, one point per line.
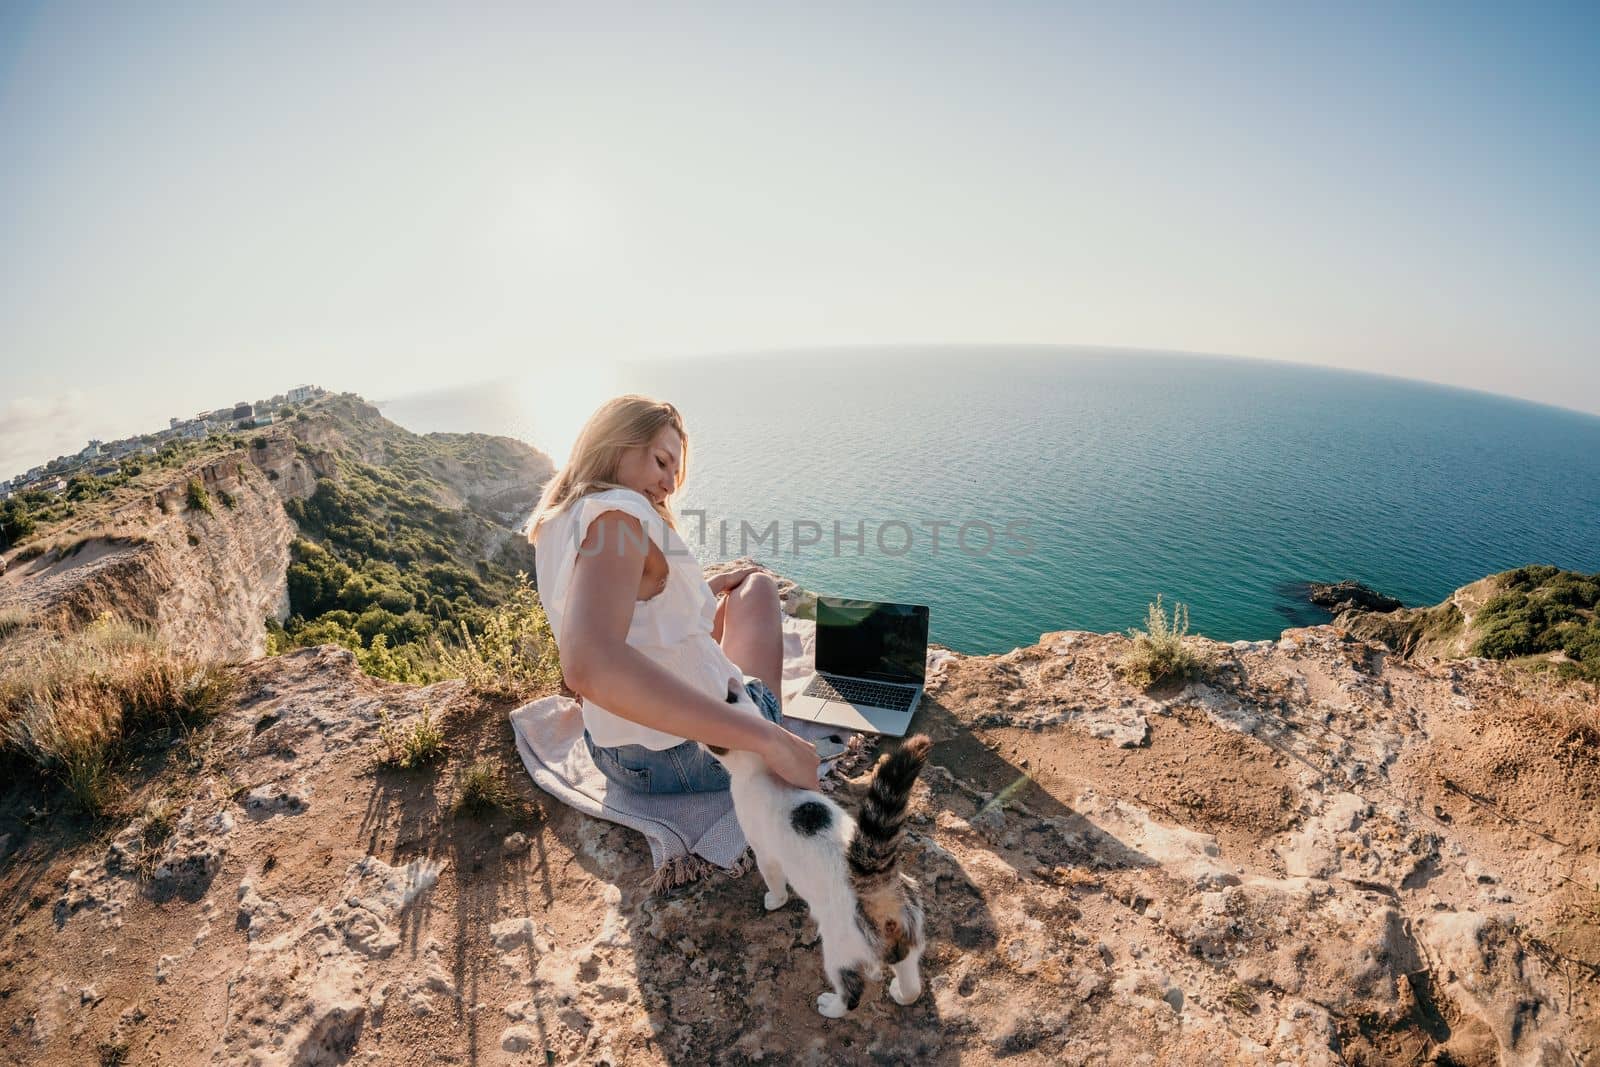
x: 211, y: 202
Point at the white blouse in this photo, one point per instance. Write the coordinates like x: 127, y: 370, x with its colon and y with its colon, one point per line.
x: 673, y: 627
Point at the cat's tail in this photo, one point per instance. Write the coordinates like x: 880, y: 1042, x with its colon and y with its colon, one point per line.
x: 875, y: 849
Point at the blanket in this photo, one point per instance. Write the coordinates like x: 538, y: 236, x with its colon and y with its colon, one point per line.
x: 689, y: 833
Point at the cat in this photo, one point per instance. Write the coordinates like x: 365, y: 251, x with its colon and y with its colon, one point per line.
x: 847, y: 871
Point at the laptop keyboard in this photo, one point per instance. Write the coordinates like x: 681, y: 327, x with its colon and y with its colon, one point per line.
x: 856, y: 691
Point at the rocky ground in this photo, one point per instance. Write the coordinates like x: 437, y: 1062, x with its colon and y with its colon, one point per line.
x: 1319, y: 855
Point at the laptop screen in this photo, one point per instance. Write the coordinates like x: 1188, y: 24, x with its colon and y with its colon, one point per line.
x: 866, y: 639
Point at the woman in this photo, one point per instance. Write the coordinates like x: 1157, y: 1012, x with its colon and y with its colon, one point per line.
x: 662, y: 658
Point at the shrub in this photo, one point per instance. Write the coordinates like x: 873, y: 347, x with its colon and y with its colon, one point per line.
x: 409, y: 747
x: 480, y: 789
x: 1584, y: 645
x: 1541, y: 609
x: 1573, y: 591
x: 1530, y: 577
x: 278, y: 640
x: 197, y: 497
x: 67, y: 704
x: 1159, y: 651
x: 397, y: 665
x: 515, y: 656
x: 15, y: 522
x: 374, y: 621
x: 1505, y: 638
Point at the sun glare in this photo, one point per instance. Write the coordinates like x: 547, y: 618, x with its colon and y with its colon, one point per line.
x: 558, y: 400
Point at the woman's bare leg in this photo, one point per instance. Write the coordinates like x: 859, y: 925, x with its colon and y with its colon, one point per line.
x: 752, y: 630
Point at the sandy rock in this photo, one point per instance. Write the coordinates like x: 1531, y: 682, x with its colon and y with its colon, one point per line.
x: 516, y: 1039
x: 304, y: 995
x: 1124, y: 727
x: 265, y: 801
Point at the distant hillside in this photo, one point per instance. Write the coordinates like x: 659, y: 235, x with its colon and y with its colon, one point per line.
x: 335, y: 526
x: 407, y: 539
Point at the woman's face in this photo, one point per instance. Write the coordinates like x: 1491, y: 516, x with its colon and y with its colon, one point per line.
x: 652, y: 469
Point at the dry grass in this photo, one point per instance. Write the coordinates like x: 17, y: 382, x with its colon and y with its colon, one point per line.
x: 515, y: 656
x: 1239, y: 999
x: 68, y: 543
x: 1552, y: 710
x: 410, y: 747
x: 1160, y: 650
x: 13, y: 619
x: 67, y: 703
x: 156, y: 826
x: 480, y: 789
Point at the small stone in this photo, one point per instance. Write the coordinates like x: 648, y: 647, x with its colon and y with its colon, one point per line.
x: 512, y: 933
x: 516, y: 1039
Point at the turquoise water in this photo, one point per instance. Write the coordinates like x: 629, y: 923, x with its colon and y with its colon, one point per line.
x: 1224, y: 484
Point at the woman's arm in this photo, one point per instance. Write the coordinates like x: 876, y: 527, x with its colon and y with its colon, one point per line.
x: 598, y: 663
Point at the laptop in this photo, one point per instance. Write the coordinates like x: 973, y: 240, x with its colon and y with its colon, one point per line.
x: 871, y: 659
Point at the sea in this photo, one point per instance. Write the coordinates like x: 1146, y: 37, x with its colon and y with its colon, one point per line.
x: 1017, y: 491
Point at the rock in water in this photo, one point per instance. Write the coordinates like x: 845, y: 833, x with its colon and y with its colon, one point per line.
x: 1342, y: 596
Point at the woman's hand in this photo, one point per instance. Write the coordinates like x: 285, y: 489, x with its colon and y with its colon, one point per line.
x: 728, y: 581
x: 794, y: 759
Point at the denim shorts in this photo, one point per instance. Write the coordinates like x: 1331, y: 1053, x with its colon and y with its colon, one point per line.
x: 685, y: 768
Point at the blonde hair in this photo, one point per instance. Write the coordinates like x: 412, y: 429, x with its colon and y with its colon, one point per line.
x: 619, y: 424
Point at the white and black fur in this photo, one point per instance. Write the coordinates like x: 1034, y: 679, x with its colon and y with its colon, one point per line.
x: 846, y: 871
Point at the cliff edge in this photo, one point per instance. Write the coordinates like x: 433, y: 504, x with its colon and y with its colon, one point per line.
x: 1320, y: 854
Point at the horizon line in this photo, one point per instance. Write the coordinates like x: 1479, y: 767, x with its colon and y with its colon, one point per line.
x: 1141, y: 350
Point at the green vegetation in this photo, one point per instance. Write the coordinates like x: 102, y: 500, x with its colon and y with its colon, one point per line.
x: 480, y: 789
x: 1541, y: 610
x: 197, y: 498
x: 1159, y: 651
x: 387, y: 563
x: 16, y: 519
x: 69, y: 704
x: 409, y: 747
x: 515, y: 654
x: 389, y: 567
